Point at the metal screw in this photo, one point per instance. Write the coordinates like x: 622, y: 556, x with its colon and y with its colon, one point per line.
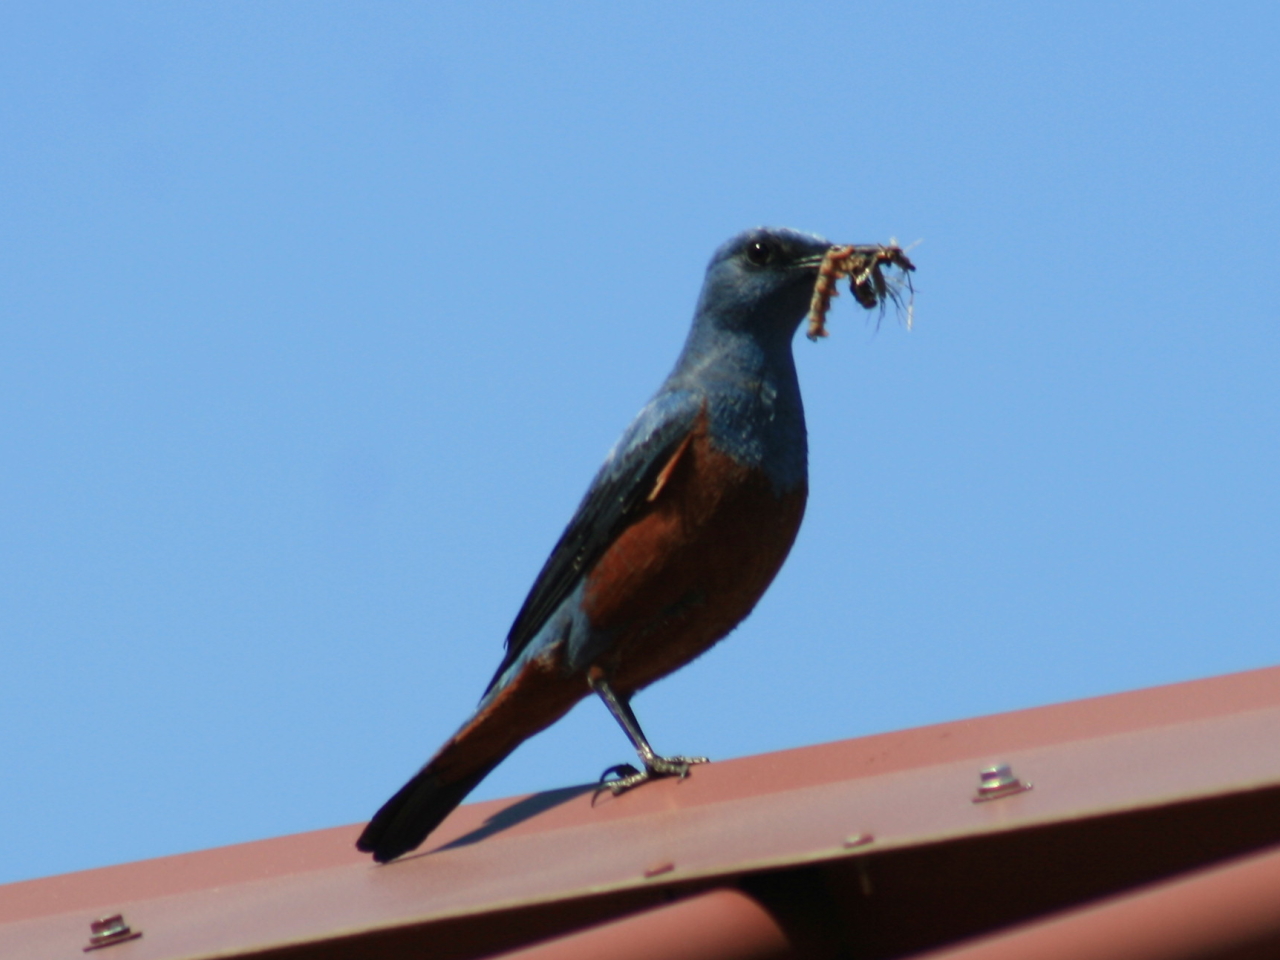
x: 998, y: 781
x: 108, y: 931
x: 858, y: 840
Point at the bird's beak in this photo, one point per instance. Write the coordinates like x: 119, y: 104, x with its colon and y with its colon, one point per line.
x: 814, y: 262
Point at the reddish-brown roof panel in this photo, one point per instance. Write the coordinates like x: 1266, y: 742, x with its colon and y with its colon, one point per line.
x: 1226, y: 911
x: 719, y: 925
x: 856, y: 802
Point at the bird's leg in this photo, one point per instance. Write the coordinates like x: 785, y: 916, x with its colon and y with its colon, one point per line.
x: 654, y: 765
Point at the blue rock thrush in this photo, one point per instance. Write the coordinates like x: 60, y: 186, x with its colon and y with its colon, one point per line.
x: 681, y: 531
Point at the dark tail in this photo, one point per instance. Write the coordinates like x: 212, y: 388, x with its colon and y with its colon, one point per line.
x: 417, y: 808
x: 534, y: 699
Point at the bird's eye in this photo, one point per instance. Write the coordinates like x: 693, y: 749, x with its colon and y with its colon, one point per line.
x: 761, y: 252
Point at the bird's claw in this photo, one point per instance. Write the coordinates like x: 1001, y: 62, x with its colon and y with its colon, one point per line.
x: 673, y: 766
x: 620, y: 770
x: 628, y: 776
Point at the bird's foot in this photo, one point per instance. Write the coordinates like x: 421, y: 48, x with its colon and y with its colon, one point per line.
x: 673, y: 766
x: 627, y: 776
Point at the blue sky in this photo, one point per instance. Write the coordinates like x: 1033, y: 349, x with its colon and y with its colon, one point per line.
x: 318, y: 318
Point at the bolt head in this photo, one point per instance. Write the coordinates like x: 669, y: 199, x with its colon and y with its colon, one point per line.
x: 998, y: 781
x: 996, y: 777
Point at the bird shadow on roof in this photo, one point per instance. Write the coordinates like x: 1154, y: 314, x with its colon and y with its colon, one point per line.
x: 519, y: 812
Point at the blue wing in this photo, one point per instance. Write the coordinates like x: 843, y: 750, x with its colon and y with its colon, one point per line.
x: 611, y: 504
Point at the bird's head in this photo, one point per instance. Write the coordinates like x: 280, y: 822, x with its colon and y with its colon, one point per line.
x: 760, y: 283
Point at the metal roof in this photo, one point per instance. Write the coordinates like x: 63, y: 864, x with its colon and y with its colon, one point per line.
x: 884, y: 846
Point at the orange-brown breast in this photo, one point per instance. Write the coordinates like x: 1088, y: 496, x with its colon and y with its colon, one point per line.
x: 692, y: 567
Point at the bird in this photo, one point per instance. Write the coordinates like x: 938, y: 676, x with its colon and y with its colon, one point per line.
x: 679, y: 534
